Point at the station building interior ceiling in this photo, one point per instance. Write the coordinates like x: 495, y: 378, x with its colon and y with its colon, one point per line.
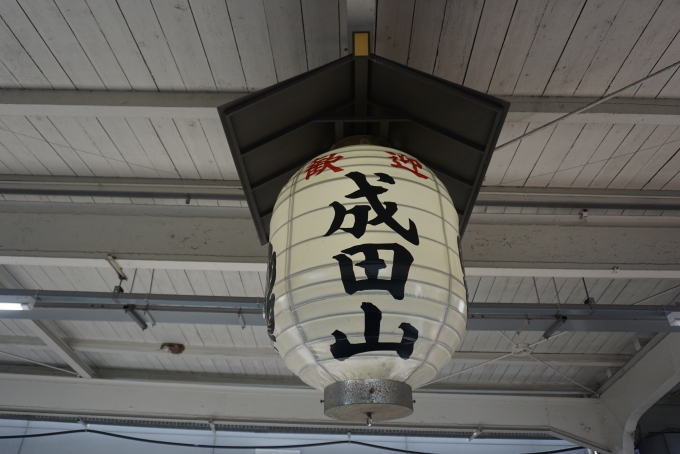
x: 105, y: 104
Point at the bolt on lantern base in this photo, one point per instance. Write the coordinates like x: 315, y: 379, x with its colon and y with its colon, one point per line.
x: 370, y: 399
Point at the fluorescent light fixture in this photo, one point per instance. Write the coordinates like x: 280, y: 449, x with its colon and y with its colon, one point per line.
x: 16, y: 303
x: 674, y: 318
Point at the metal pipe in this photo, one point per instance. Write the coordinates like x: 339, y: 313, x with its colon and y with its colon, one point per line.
x: 55, y: 305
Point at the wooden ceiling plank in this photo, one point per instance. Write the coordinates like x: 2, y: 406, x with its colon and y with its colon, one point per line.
x: 180, y: 282
x: 497, y: 289
x: 523, y: 28
x: 48, y: 132
x: 652, y: 168
x: 589, y: 33
x: 615, y: 137
x: 639, y: 137
x: 629, y: 24
x: 641, y: 159
x: 482, y: 293
x: 217, y: 36
x: 90, y: 37
x: 252, y: 284
x: 493, y: 28
x: 561, y: 142
x: 23, y: 155
x: 125, y: 141
x: 471, y: 282
x: 216, y: 282
x: 322, y: 31
x: 501, y: 158
x: 528, y: 152
x: 153, y: 147
x: 22, y: 28
x: 199, y: 282
x: 31, y: 139
x: 525, y: 289
x: 511, y: 289
x: 393, y: 30
x: 672, y: 87
x: 588, y: 141
x: 556, y: 27
x: 217, y: 141
x: 55, y: 31
x: 286, y: 34
x: 112, y: 24
x: 197, y: 145
x: 428, y: 18
x: 179, y: 29
x: 107, y: 148
x: 662, y: 85
x: 249, y: 23
x: 174, y: 145
x: 41, y: 279
x: 76, y: 137
x: 459, y: 29
x: 650, y: 47
x: 146, y: 30
x: 19, y: 69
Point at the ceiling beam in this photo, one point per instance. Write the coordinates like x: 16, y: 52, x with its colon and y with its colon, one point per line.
x: 98, y: 306
x: 138, y: 348
x: 135, y: 104
x: 642, y: 386
x: 58, y: 346
x: 562, y: 390
x: 231, y: 190
x: 582, y: 421
x: 579, y: 198
x: 134, y: 232
x: 154, y: 188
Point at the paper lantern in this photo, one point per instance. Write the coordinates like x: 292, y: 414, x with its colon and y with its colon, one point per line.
x: 366, y: 292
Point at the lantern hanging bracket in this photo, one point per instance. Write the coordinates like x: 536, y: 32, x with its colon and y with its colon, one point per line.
x: 130, y: 310
x: 361, y: 40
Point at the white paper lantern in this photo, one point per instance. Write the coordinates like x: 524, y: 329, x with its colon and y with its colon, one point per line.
x: 365, y: 277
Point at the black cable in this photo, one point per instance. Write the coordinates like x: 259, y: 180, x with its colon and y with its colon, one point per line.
x: 406, y: 451
x: 195, y: 445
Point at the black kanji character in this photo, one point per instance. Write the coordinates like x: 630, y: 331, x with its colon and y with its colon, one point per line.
x: 343, y: 349
x: 372, y: 264
x: 270, y: 298
x: 383, y: 212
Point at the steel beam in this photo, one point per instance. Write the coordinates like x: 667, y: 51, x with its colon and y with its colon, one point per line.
x: 58, y: 346
x: 195, y: 234
x: 138, y: 348
x: 150, y: 188
x: 581, y: 421
x: 135, y: 104
x: 231, y: 190
x: 57, y: 305
x: 579, y: 198
x: 643, y: 385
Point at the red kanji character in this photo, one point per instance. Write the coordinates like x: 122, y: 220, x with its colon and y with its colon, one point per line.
x: 320, y: 164
x: 399, y: 159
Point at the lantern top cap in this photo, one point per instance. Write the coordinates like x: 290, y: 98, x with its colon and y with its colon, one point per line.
x: 451, y: 129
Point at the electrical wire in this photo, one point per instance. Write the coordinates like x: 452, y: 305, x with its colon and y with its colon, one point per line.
x: 563, y: 375
x: 468, y: 369
x: 197, y: 445
x: 590, y: 105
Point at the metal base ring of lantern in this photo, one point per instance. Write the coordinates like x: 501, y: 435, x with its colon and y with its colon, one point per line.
x: 370, y: 399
